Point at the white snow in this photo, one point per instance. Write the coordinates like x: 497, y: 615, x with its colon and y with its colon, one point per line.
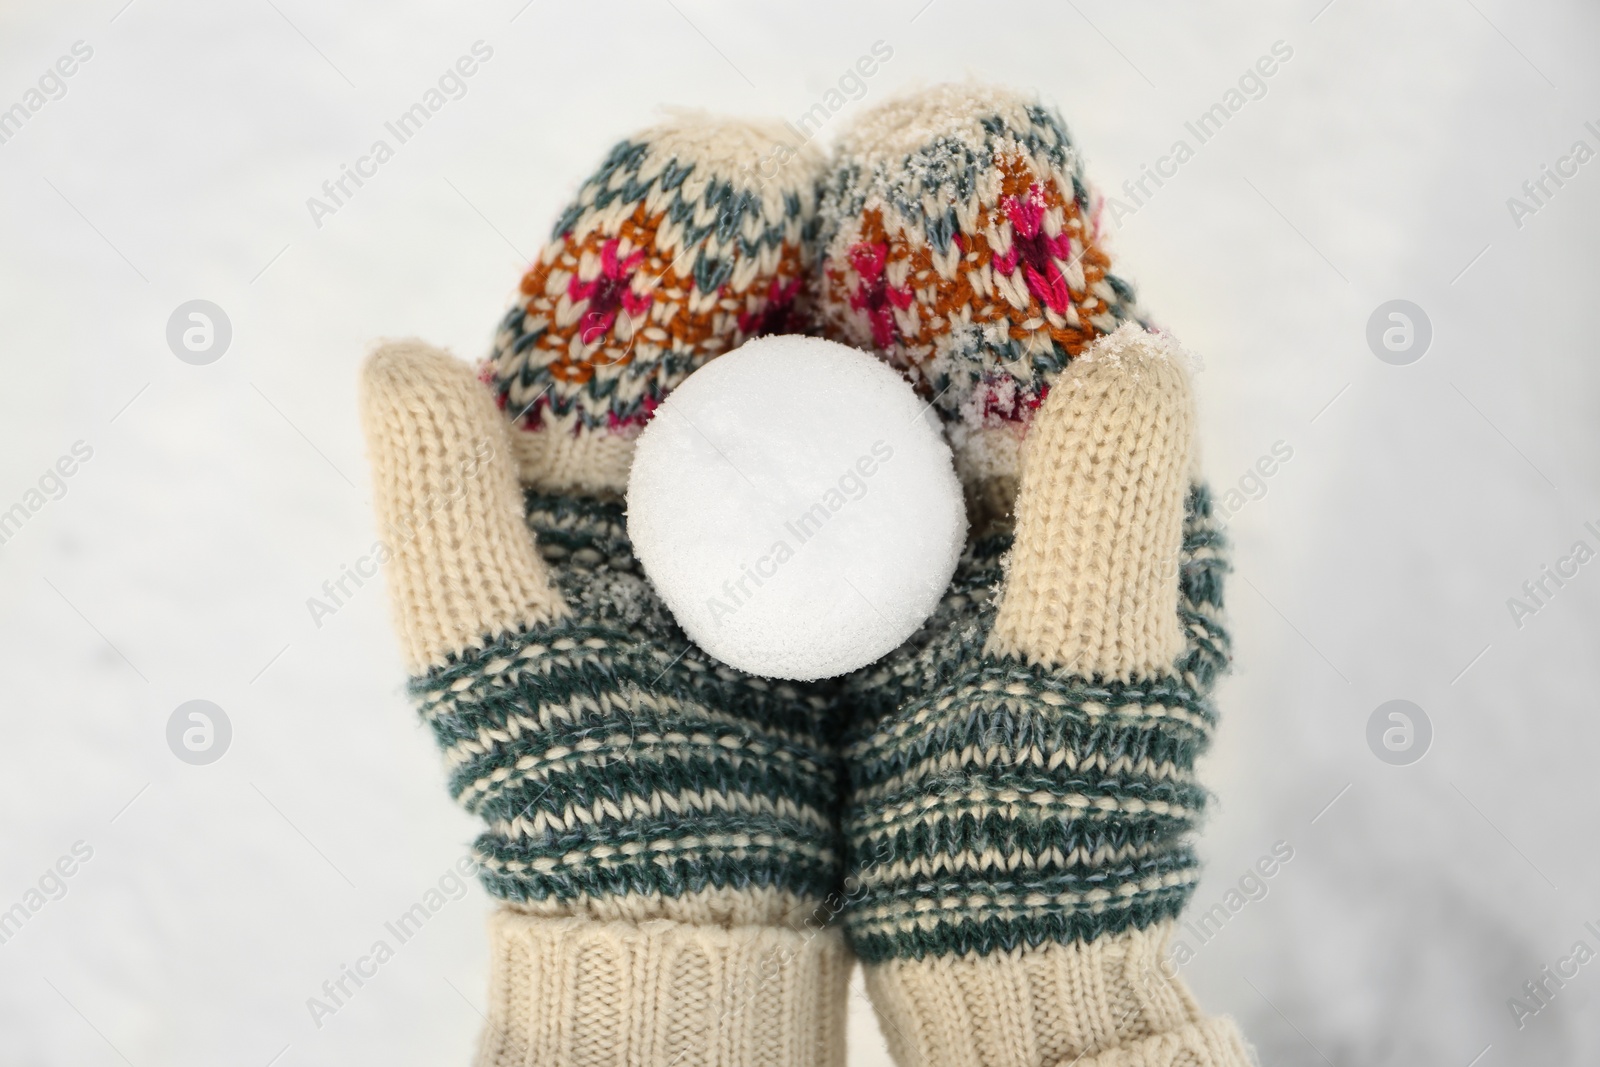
x: 796, y: 507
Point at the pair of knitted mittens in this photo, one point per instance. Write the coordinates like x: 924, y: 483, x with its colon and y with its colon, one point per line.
x: 992, y: 817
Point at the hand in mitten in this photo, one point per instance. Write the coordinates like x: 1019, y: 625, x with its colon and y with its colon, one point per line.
x: 660, y: 828
x: 1022, y: 774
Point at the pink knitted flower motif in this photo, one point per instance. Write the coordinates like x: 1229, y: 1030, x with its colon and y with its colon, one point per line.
x: 874, y: 294
x: 647, y: 408
x: 776, y: 315
x: 609, y: 290
x: 1037, y: 252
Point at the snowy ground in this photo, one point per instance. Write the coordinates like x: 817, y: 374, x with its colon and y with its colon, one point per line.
x: 1375, y: 165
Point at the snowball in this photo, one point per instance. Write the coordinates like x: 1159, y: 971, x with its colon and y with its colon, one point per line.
x: 796, y: 507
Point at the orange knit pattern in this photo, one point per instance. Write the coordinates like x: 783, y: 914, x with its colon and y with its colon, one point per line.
x: 660, y: 309
x: 671, y: 253
x: 973, y: 286
x: 960, y: 243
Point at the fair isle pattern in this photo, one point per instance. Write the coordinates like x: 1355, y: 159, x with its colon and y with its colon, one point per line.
x: 996, y: 805
x: 973, y: 261
x: 661, y: 263
x: 610, y: 756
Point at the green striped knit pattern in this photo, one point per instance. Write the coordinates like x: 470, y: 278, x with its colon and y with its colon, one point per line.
x: 609, y: 755
x: 995, y: 805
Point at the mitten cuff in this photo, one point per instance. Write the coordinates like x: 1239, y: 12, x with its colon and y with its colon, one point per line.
x: 1105, y: 1003
x: 573, y: 990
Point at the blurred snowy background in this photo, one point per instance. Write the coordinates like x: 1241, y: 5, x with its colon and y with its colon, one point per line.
x: 1376, y: 563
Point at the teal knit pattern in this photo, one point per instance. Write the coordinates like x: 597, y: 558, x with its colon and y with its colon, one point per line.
x: 995, y: 805
x: 611, y: 756
x: 931, y: 215
x: 691, y: 260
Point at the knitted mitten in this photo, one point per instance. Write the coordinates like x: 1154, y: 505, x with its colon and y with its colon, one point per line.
x: 1022, y: 772
x: 662, y: 830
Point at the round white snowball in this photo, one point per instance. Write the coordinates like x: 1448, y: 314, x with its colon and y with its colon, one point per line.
x: 796, y: 507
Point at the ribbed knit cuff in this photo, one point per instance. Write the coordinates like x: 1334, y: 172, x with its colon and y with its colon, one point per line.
x: 1107, y: 1003
x: 652, y: 994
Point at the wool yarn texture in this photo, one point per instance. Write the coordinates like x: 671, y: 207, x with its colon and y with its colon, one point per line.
x: 1021, y: 772
x: 996, y: 818
x: 674, y: 251
x: 661, y: 830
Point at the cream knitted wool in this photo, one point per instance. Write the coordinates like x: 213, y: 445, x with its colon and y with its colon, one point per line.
x: 1099, y: 524
x: 445, y: 489
x: 662, y: 830
x: 574, y: 991
x: 1052, y: 1005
